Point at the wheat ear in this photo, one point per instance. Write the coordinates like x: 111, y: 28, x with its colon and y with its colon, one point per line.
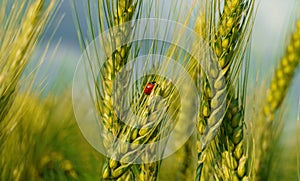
x: 151, y: 112
x: 231, y: 27
x: 113, y: 64
x: 21, y: 47
x: 122, y: 11
x: 276, y: 94
x: 283, y: 75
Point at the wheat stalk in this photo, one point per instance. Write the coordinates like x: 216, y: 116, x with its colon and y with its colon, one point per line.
x: 16, y: 51
x: 117, y: 12
x: 276, y: 94
x: 114, y: 169
x: 113, y: 64
x: 232, y: 28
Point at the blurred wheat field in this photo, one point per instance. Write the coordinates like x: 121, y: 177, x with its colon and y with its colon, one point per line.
x: 41, y: 140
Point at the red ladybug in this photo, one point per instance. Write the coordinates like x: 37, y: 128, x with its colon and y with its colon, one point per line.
x: 149, y: 87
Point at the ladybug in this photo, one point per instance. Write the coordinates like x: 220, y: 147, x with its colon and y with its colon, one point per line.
x: 149, y: 87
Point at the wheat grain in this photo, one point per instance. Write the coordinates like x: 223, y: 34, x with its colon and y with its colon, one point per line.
x: 234, y: 157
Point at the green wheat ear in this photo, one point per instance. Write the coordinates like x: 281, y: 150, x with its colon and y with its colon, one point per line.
x: 126, y: 11
x: 276, y: 94
x: 225, y: 155
x: 17, y: 44
x: 283, y: 75
x: 112, y: 13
